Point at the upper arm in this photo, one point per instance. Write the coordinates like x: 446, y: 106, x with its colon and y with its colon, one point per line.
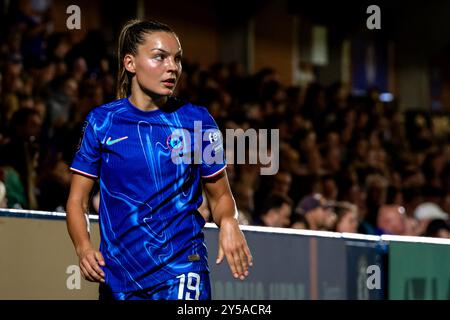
x: 80, y: 188
x: 216, y: 187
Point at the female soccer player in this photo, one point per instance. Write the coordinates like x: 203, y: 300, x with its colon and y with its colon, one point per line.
x: 152, y: 154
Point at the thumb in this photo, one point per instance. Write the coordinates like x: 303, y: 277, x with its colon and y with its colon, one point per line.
x: 220, y: 255
x: 99, y: 258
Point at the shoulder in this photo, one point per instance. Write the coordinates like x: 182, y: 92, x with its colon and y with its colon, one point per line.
x: 102, y: 112
x: 196, y: 112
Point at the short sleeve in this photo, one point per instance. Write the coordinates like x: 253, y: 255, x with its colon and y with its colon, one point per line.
x: 213, y: 155
x: 87, y: 158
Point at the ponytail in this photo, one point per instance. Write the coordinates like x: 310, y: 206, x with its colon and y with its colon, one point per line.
x: 123, y: 77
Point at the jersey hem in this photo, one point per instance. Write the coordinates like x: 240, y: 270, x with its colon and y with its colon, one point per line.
x: 215, y: 173
x: 83, y: 173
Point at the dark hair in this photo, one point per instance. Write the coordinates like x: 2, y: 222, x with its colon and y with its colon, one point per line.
x: 19, y: 120
x: 131, y: 36
x: 342, y: 207
x: 435, y: 226
x: 274, y: 201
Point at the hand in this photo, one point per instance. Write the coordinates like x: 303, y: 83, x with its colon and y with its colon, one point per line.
x: 233, y: 245
x: 90, y: 262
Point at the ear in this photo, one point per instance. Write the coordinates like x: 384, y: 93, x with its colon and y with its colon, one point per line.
x: 128, y: 63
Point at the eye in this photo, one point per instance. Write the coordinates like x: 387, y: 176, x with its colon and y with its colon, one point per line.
x: 159, y: 57
x: 178, y: 59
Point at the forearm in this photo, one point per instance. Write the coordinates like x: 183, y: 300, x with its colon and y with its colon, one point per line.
x: 224, y: 209
x: 76, y: 224
x: 232, y: 243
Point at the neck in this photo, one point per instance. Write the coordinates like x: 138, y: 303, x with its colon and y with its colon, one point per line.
x: 146, y: 101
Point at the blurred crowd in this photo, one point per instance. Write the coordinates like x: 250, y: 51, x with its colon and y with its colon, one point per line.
x: 347, y: 163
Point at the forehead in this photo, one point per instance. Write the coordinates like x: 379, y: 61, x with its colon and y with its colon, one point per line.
x: 166, y: 41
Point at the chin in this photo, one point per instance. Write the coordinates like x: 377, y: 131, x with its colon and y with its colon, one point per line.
x: 164, y: 91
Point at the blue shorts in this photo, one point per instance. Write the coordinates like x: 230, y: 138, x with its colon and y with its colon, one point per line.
x: 187, y: 286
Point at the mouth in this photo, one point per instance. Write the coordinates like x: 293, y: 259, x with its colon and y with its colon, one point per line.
x: 169, y: 82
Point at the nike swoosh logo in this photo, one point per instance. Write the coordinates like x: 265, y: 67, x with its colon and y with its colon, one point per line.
x: 110, y: 142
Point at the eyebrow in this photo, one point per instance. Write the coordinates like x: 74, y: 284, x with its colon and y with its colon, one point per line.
x: 167, y: 52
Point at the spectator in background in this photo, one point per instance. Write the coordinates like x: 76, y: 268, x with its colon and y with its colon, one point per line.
x: 426, y: 212
x: 412, y: 197
x: 3, y: 199
x: 329, y: 187
x: 61, y: 102
x: 376, y: 186
x: 275, y: 211
x: 314, y: 208
x: 282, y: 183
x: 346, y: 217
x: 299, y: 221
x: 412, y: 227
x: 22, y: 150
x: 438, y: 228
x: 391, y: 220
x: 433, y: 167
x: 15, y: 192
x: 243, y: 194
x: 54, y: 186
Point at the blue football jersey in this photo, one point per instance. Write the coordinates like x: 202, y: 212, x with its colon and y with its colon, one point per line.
x: 150, y: 165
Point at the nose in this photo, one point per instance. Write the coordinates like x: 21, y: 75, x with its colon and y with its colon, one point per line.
x: 172, y: 65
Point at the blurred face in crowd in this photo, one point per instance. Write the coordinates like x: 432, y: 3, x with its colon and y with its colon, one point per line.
x: 80, y: 66
x: 391, y: 219
x: 284, y: 214
x: 319, y: 218
x: 157, y: 64
x: 34, y: 126
x: 279, y: 217
x: 348, y: 222
x: 70, y: 88
x: 31, y: 129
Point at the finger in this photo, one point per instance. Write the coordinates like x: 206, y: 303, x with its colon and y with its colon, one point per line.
x: 90, y: 273
x: 232, y: 264
x: 220, y: 255
x: 94, y: 265
x: 96, y: 277
x: 85, y: 273
x: 249, y: 255
x: 244, y: 263
x: 238, y: 263
x: 99, y: 257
